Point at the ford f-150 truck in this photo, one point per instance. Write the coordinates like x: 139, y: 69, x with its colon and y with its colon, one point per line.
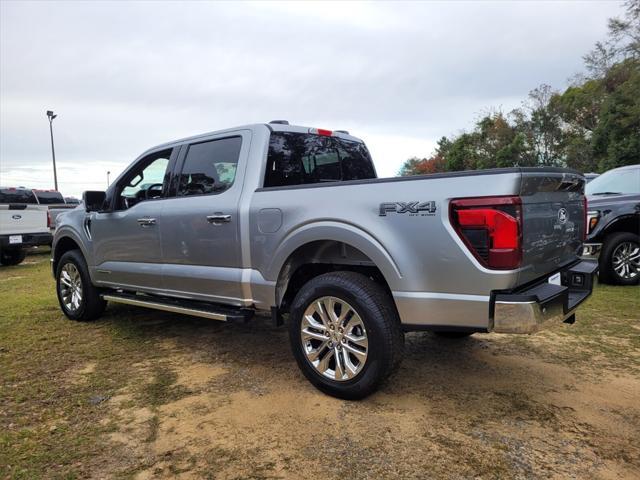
x: 292, y: 220
x: 23, y: 223
x: 55, y: 204
x: 613, y: 225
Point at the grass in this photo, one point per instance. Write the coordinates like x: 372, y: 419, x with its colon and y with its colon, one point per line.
x: 607, y: 329
x: 49, y: 413
x: 55, y: 373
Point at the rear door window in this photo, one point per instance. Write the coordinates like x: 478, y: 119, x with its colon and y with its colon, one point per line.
x: 301, y: 158
x: 17, y: 195
x: 209, y: 167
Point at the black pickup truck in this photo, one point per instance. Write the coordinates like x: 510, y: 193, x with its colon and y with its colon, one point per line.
x: 613, y: 225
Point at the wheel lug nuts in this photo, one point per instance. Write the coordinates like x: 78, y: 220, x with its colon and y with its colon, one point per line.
x: 326, y: 334
x: 331, y: 327
x: 344, y: 340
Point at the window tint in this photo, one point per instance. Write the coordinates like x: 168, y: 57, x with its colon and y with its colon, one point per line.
x: 210, y: 167
x: 48, y: 197
x: 300, y: 158
x: 17, y: 195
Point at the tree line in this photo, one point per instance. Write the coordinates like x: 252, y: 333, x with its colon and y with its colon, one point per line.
x: 593, y: 126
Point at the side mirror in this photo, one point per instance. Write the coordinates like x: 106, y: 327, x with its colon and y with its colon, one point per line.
x: 93, y: 200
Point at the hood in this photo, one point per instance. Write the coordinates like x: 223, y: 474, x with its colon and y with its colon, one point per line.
x: 595, y: 201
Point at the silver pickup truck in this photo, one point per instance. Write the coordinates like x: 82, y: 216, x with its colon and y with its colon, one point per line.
x: 292, y: 220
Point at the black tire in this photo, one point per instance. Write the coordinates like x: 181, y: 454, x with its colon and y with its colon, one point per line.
x: 608, y: 273
x: 91, y: 305
x: 452, y: 335
x: 12, y: 256
x: 377, y: 311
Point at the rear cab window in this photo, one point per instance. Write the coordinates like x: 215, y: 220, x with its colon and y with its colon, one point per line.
x: 17, y: 195
x: 48, y: 197
x: 304, y: 158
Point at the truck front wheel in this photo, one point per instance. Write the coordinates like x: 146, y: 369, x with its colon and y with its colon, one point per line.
x: 13, y: 256
x: 78, y: 298
x: 345, y: 334
x: 620, y: 259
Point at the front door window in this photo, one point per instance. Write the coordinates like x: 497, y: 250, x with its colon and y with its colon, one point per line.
x: 146, y: 181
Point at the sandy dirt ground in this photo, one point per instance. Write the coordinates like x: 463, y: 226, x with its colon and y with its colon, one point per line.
x: 141, y: 394
x: 483, y: 407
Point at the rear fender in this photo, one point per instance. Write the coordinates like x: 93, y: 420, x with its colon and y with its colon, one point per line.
x: 337, y: 232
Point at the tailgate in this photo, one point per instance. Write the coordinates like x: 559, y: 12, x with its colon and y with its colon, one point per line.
x: 553, y: 211
x: 21, y: 218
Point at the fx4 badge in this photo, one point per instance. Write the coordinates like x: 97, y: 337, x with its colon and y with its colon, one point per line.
x: 412, y: 208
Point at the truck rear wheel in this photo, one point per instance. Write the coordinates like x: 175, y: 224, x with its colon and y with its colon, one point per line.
x: 620, y: 259
x: 12, y: 256
x: 345, y: 334
x: 78, y: 298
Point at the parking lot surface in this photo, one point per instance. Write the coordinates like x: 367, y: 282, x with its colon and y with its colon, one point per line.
x: 145, y: 394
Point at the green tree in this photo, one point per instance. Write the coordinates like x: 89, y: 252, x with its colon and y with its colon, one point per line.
x: 594, y: 125
x: 623, y: 42
x: 616, y: 139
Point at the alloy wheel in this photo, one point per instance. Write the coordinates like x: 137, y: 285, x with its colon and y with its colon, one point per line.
x: 71, y: 287
x: 334, y: 338
x: 626, y: 260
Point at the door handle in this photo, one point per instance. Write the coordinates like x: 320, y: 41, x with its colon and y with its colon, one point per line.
x: 218, y: 218
x: 146, y: 222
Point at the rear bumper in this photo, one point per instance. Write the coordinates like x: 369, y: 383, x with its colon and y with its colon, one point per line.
x: 28, y: 240
x: 533, y: 308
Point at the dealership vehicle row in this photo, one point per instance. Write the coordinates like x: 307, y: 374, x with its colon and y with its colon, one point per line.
x: 27, y: 219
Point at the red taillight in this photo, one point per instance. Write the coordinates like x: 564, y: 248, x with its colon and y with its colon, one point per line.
x: 48, y: 218
x: 491, y: 228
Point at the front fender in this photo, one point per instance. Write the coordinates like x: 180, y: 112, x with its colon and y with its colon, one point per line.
x: 68, y: 231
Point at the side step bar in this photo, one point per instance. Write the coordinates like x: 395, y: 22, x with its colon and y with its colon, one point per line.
x: 186, y: 307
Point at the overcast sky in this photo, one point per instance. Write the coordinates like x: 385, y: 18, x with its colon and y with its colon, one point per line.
x: 123, y: 77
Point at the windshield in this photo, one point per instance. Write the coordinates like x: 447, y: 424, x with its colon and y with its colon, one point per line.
x: 48, y: 197
x: 615, y: 182
x: 17, y: 195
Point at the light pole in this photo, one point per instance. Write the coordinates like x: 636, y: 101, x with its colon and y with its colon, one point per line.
x: 108, y: 173
x: 51, y: 116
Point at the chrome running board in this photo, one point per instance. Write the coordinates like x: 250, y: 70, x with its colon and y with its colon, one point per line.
x: 186, y: 307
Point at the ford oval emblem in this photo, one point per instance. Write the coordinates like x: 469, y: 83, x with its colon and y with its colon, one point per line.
x: 16, y: 217
x: 562, y: 216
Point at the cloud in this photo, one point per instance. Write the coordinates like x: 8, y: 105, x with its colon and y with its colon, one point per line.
x: 126, y: 76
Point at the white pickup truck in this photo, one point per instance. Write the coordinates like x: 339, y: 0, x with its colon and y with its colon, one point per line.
x: 55, y: 205
x: 23, y: 223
